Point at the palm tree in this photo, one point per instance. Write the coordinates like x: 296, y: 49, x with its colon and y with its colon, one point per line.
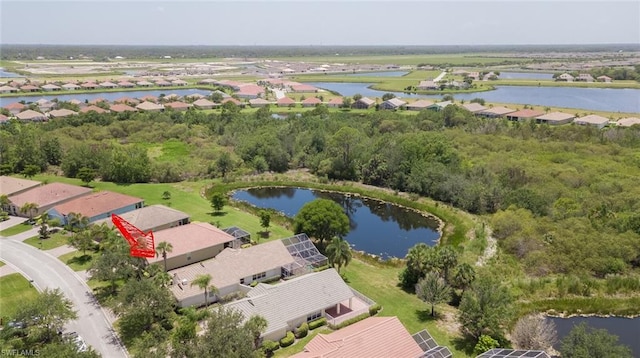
x: 77, y: 220
x: 203, y: 281
x: 28, y: 209
x: 162, y: 249
x: 432, y: 289
x: 464, y: 275
x: 339, y: 252
x: 4, y: 202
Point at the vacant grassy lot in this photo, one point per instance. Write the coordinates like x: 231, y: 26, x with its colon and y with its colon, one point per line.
x: 56, y: 240
x: 78, y: 261
x: 15, y: 290
x: 14, y: 230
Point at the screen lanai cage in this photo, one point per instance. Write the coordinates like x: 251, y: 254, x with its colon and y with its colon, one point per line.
x: 306, y: 254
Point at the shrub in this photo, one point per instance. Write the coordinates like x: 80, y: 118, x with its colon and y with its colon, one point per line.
x: 485, y: 343
x: 317, y: 323
x: 302, y: 331
x: 287, y: 340
x: 270, y: 346
x: 350, y: 321
x: 253, y: 283
x: 374, y: 309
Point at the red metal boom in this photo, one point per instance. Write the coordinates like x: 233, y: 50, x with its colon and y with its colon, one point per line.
x: 142, y: 244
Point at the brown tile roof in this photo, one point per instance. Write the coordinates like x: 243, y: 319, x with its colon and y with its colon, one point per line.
x: 231, y: 265
x: 119, y: 108
x: 56, y: 113
x: 203, y: 102
x: 231, y: 99
x: 31, y: 115
x: 474, y: 107
x: 372, y: 337
x: 15, y: 105
x: 286, y: 100
x: 29, y: 88
x: 11, y: 185
x: 312, y: 100
x: 526, y: 113
x: 97, y: 203
x: 498, y: 111
x: 149, y: 106
x: 592, y: 119
x: 178, y: 105
x: 93, y: 108
x: 301, y: 87
x: 336, y: 100
x: 49, y: 194
x: 149, y: 98
x: 423, y: 103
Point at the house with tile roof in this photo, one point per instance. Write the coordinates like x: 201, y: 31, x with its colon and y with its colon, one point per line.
x: 363, y: 103
x: 126, y: 84
x: 153, y: 217
x: 45, y: 197
x: 89, y: 85
x: 178, y: 106
x: 439, y: 106
x: 628, y: 122
x: 604, y: 78
x: 96, y: 206
x: 31, y: 116
x: 150, y: 107
x: 335, y: 102
x: 285, y: 102
x: 61, y: 113
x: 8, y: 89
x: 250, y: 91
x: 51, y: 87
x: 179, y: 82
x: 371, y: 337
x: 311, y: 102
x: 392, y: 104
x: 419, y: 105
x: 474, y: 107
x: 204, y: 103
x: 287, y: 305
x: 427, y: 85
x: 302, y: 88
x: 70, y: 87
x: 15, y: 107
x: 496, y: 112
x: 555, y: 118
x: 120, y: 108
x: 592, y: 120
x: 192, y: 243
x: 12, y: 186
x: 108, y: 84
x: 232, y: 271
x: 144, y: 84
x: 258, y: 102
x: 93, y: 108
x: 524, y: 114
x: 29, y: 88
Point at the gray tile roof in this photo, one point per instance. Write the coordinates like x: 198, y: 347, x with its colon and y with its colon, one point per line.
x: 296, y: 298
x: 230, y: 266
x: 150, y: 217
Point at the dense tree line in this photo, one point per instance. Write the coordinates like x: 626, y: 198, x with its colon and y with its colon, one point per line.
x: 560, y: 199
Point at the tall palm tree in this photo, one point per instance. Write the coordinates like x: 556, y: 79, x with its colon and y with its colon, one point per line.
x: 204, y: 282
x: 29, y: 209
x: 4, y: 202
x: 339, y: 252
x: 256, y: 324
x: 464, y: 275
x: 162, y: 249
x: 77, y: 221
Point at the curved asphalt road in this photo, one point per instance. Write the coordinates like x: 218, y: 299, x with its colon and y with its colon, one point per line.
x: 47, y: 271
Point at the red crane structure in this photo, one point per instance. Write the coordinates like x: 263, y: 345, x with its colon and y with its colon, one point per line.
x: 142, y: 244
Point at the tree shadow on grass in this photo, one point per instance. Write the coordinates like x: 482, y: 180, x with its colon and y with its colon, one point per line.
x: 79, y: 260
x: 218, y: 213
x: 465, y: 344
x: 425, y: 315
x: 264, y: 234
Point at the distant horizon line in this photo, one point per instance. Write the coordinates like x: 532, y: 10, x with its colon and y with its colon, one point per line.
x: 336, y: 45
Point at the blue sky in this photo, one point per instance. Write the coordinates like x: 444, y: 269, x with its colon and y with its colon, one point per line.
x: 318, y: 22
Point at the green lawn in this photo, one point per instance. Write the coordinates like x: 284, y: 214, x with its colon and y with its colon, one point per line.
x: 78, y: 261
x: 15, y: 290
x: 14, y: 230
x: 56, y: 240
x: 2, y: 263
x: 380, y: 284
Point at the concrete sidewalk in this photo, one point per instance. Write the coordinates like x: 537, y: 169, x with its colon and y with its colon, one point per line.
x: 60, y: 250
x: 6, y: 270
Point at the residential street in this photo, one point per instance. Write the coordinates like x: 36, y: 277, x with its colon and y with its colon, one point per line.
x: 47, y: 271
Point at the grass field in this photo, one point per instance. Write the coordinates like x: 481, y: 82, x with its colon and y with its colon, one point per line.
x: 56, y: 240
x: 17, y: 229
x: 78, y: 261
x: 450, y: 59
x: 2, y: 263
x: 15, y: 290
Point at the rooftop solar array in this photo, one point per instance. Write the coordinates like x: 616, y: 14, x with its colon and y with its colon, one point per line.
x: 300, y: 246
x: 513, y: 353
x: 429, y: 346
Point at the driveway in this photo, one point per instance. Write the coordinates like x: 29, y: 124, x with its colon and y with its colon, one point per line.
x: 47, y: 271
x: 13, y: 221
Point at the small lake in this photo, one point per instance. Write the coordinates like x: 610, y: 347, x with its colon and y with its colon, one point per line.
x: 4, y: 73
x: 377, y: 227
x: 597, y: 99
x: 525, y: 75
x: 110, y: 96
x: 377, y: 74
x: 627, y: 329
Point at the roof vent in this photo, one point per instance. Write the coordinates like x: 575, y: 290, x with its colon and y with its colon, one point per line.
x: 184, y: 281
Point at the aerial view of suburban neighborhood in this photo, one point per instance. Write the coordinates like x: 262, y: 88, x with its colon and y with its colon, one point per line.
x: 320, y: 179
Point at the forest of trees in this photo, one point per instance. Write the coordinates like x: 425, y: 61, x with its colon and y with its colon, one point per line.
x: 559, y: 199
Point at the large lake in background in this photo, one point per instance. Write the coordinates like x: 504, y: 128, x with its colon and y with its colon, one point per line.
x: 110, y: 96
x: 597, y: 99
x: 377, y: 227
x: 525, y: 75
x: 627, y: 329
x: 4, y: 73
